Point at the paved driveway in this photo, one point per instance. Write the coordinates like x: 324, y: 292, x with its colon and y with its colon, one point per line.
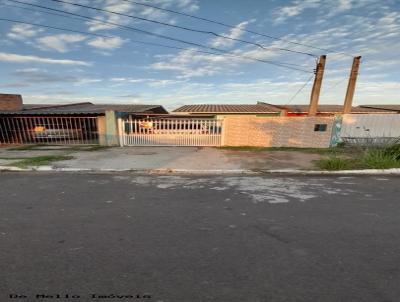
x: 180, y: 238
x: 188, y: 158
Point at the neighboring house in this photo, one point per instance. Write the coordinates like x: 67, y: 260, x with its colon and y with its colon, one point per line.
x: 222, y: 110
x: 388, y: 108
x: 327, y: 110
x: 78, y: 123
x: 265, y: 109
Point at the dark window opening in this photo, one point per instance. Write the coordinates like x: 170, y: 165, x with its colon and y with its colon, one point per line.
x: 320, y: 127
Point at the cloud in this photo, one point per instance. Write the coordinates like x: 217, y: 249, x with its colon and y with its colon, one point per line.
x: 15, y: 85
x: 28, y: 76
x: 191, y: 64
x: 106, y: 43
x: 115, y: 6
x: 129, y: 8
x: 188, y: 63
x: 16, y: 58
x: 294, y: 9
x: 323, y: 9
x: 73, y: 8
x: 234, y: 33
x: 149, y: 82
x: 188, y: 5
x: 23, y: 31
x: 36, y: 75
x: 60, y: 43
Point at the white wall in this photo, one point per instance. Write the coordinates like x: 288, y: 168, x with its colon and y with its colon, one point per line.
x: 370, y: 126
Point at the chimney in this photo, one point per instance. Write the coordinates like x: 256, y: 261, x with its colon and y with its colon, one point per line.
x: 10, y: 102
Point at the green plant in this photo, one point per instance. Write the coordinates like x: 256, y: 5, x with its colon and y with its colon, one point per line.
x: 73, y: 148
x: 380, y: 159
x: 294, y: 149
x: 393, y: 151
x: 40, y: 160
x: 335, y: 163
x: 341, y: 145
x: 25, y: 147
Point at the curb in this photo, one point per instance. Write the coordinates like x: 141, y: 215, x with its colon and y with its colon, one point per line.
x: 395, y: 171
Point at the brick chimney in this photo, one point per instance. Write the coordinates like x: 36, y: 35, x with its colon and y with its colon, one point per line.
x: 10, y: 102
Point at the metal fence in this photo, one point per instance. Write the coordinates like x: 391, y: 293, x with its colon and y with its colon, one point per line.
x: 48, y: 130
x: 170, y: 132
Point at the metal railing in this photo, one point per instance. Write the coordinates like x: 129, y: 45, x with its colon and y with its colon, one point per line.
x: 48, y: 130
x: 170, y: 132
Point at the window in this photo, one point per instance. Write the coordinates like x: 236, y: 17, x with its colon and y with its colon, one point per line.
x: 320, y: 127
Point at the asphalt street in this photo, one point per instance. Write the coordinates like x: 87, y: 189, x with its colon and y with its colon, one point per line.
x: 125, y: 237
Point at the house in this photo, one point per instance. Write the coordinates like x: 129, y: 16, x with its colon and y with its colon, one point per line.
x: 75, y: 123
x: 388, y: 108
x: 266, y: 109
x: 221, y: 110
x: 327, y: 110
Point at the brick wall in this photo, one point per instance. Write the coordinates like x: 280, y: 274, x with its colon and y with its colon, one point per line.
x: 276, y: 131
x: 10, y: 102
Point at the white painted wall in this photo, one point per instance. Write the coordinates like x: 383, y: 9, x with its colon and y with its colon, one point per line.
x: 370, y: 126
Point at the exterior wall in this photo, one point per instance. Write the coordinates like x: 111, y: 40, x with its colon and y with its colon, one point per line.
x: 10, y: 102
x: 222, y: 116
x: 101, y: 128
x: 111, y: 129
x: 277, y: 131
x: 370, y: 128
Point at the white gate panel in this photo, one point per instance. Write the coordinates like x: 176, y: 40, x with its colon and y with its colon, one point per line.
x: 170, y: 132
x: 48, y: 130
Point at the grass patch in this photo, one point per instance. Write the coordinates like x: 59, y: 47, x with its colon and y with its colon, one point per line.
x: 41, y: 147
x: 40, y: 160
x: 335, y: 150
x: 370, y: 158
x: 393, y: 150
x: 24, y: 147
x: 89, y: 148
x: 380, y: 159
x: 335, y: 163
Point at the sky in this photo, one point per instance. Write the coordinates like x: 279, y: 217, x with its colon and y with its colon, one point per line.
x: 110, y: 66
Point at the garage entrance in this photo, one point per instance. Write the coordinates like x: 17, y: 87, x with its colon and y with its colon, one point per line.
x: 48, y: 130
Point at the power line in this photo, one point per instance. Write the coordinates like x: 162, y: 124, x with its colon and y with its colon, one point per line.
x: 279, y: 64
x: 232, y: 26
x: 57, y: 28
x: 185, y: 28
x: 335, y: 85
x: 300, y: 89
x: 41, y: 11
x: 109, y: 37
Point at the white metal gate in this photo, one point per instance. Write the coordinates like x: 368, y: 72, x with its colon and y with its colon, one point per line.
x: 48, y: 130
x: 170, y: 132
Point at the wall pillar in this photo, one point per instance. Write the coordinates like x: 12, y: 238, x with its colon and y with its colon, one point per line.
x: 111, y: 127
x: 101, y: 130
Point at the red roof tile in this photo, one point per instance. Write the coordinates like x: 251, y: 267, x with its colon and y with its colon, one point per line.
x: 228, y: 108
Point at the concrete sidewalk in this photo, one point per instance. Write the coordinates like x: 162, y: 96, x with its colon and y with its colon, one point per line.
x: 174, y: 158
x: 187, y: 158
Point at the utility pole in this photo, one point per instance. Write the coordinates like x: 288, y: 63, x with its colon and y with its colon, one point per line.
x: 348, y: 101
x: 316, y: 89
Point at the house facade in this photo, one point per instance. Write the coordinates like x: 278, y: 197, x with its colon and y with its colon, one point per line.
x: 77, y: 123
x: 262, y: 109
x: 222, y: 110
